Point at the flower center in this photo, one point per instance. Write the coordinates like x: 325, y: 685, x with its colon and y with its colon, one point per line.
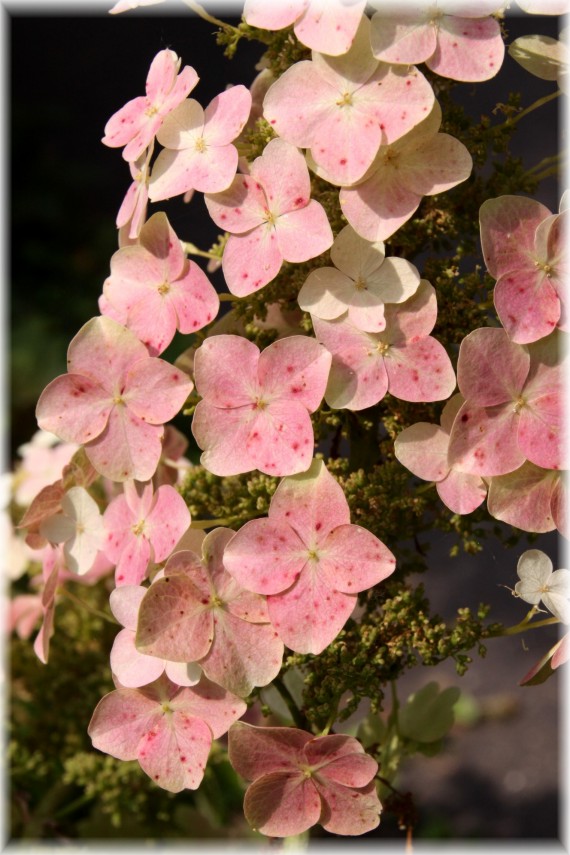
x: 138, y: 528
x: 313, y: 555
x: 345, y: 100
x: 151, y: 111
x: 259, y: 404
x: 165, y: 707
x: 382, y: 347
x: 118, y: 400
x: 546, y: 268
x: 390, y: 156
x: 164, y: 288
x: 519, y: 404
x: 269, y: 217
x: 200, y: 144
x: 360, y: 284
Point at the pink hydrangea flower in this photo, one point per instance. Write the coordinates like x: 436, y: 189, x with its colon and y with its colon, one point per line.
x: 344, y: 108
x: 359, y: 284
x: 524, y: 247
x: 422, y: 448
x: 136, y: 124
x: 258, y: 418
x: 198, y: 153
x: 130, y: 667
x: 512, y: 410
x: 299, y: 780
x: 142, y: 526
x: 530, y: 498
x: 308, y: 559
x: 168, y: 729
x: 154, y: 289
x: 327, y: 27
x: 115, y: 400
x: 421, y: 163
x: 271, y: 218
x: 197, y: 611
x: 403, y: 359
x: 453, y: 39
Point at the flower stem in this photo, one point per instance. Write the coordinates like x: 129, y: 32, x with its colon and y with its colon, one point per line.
x: 201, y: 524
x: 85, y: 606
x: 534, y: 106
x: 191, y: 249
x: 201, y: 12
x: 296, y: 713
x: 522, y: 627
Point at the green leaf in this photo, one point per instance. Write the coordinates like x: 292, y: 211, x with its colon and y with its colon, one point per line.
x: 428, y: 714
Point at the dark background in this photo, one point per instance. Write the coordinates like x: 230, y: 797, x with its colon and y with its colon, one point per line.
x: 67, y: 74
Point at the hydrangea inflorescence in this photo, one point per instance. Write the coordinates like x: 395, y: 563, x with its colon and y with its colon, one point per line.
x: 303, y: 571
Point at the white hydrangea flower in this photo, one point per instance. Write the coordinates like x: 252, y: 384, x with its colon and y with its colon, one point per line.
x: 540, y: 584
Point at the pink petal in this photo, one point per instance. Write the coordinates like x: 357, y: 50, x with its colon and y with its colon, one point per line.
x: 358, y: 377
x: 281, y: 804
x: 281, y: 440
x: 125, y: 603
x: 313, y: 504
x: 491, y: 369
x: 406, y: 37
x: 258, y: 13
x: 226, y: 115
x: 437, y: 165
x: 161, y: 75
x: 282, y: 171
x: 133, y: 669
x: 103, y: 351
x: 468, y: 49
x: 422, y: 448
x: 74, y: 408
x: 419, y: 371
x: 348, y: 810
x: 461, y: 492
x: 125, y: 123
x: 295, y: 367
x: 378, y: 206
x: 338, y: 567
x: 304, y: 233
x: 523, y: 498
x: 483, y: 442
x: 341, y: 759
x: 240, y: 208
x: 265, y: 556
x: 133, y: 563
x: 121, y: 720
x: 155, y: 391
x: 541, y: 431
x: 309, y: 614
x: 153, y: 319
x: 330, y: 29
x: 256, y: 751
x: 527, y: 305
x: 414, y: 318
x: 508, y: 226
x: 162, y: 243
x: 214, y: 705
x: 242, y: 655
x: 127, y: 448
x: 251, y: 260
x: 215, y: 375
x: 223, y: 435
x: 167, y: 522
x: 174, y: 622
x: 175, y: 751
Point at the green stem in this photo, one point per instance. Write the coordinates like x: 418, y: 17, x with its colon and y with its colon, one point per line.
x: 296, y: 713
x: 552, y: 170
x: 191, y: 249
x: 393, y: 718
x: 85, y: 606
x: 225, y: 298
x: 199, y: 9
x: 522, y: 627
x: 331, y: 719
x: 539, y: 103
x: 546, y: 161
x: 425, y: 487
